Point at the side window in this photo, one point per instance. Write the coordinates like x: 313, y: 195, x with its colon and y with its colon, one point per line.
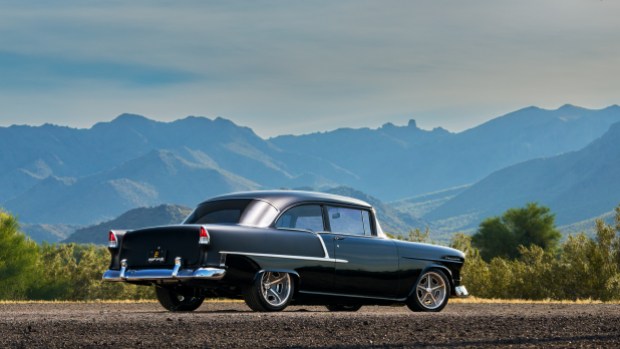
x: 349, y: 221
x: 308, y: 217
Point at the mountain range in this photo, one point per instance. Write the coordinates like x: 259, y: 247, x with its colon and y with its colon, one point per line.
x: 564, y: 158
x: 576, y: 186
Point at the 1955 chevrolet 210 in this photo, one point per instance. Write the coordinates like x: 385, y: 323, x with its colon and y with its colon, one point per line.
x: 275, y: 248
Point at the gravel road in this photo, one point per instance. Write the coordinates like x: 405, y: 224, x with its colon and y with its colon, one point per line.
x: 232, y: 325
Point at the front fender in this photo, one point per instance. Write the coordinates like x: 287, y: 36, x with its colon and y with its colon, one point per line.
x: 441, y: 267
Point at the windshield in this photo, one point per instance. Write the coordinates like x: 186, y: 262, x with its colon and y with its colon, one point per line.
x: 239, y: 211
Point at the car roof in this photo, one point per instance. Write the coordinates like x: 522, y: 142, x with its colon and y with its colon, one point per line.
x: 282, y: 199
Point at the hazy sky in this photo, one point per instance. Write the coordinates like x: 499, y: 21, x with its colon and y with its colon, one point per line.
x: 303, y: 66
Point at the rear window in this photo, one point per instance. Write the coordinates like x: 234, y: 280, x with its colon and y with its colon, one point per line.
x: 238, y: 211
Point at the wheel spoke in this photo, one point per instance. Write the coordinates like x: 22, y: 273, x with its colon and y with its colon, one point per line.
x: 427, y: 298
x: 276, y: 281
x: 433, y: 299
x: 275, y: 295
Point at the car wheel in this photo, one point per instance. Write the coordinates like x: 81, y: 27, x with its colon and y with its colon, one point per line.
x: 178, y: 299
x: 431, y: 293
x: 271, y: 291
x: 343, y: 307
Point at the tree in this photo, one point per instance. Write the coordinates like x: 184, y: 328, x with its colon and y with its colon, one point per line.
x: 530, y: 225
x: 18, y: 257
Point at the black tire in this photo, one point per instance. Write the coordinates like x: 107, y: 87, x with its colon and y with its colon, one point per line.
x: 178, y: 299
x: 343, y: 307
x: 271, y: 291
x: 432, y: 291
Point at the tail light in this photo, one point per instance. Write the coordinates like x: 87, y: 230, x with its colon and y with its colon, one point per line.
x: 204, y: 236
x: 112, y: 240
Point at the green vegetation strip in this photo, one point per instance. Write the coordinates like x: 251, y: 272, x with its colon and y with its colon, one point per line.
x: 516, y: 256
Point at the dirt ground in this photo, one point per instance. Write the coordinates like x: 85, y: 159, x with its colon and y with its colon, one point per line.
x: 233, y: 325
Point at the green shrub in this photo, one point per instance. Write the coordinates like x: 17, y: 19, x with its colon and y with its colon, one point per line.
x: 18, y: 259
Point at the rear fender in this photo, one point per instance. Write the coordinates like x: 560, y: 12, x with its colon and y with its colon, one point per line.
x: 115, y: 262
x: 241, y: 269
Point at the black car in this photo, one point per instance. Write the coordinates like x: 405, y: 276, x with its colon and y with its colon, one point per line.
x: 275, y: 248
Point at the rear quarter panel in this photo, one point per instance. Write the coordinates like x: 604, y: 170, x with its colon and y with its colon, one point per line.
x: 249, y: 250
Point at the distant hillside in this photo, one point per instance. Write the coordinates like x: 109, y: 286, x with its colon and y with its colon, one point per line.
x: 577, y: 186
x: 133, y: 219
x: 159, y: 176
x: 50, y: 233
x: 420, y: 205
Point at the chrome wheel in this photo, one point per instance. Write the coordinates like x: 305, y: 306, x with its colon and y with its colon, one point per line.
x: 270, y: 291
x: 276, y: 288
x: 431, y: 292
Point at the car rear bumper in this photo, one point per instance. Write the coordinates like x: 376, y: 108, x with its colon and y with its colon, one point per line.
x: 174, y: 274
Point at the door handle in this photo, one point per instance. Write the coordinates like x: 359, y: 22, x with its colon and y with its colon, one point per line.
x: 339, y: 238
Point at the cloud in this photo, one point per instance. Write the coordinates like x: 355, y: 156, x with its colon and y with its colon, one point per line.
x: 20, y: 71
x: 281, y: 66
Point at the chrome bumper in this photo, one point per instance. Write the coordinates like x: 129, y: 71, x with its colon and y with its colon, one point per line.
x: 176, y: 273
x: 461, y: 291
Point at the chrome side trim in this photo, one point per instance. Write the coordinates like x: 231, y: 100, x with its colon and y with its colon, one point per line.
x: 286, y: 256
x: 322, y: 244
x: 461, y: 291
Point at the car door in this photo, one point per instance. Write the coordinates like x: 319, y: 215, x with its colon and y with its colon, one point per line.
x: 315, y: 275
x: 371, y: 267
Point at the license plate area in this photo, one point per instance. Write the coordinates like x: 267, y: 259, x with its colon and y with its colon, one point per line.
x: 157, y: 256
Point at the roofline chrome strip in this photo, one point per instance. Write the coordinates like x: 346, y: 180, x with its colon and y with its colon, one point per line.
x: 286, y: 256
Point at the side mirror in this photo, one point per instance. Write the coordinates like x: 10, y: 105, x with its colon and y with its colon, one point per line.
x: 336, y: 215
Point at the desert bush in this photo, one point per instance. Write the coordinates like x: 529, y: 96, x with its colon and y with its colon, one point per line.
x: 18, y: 259
x: 581, y: 268
x: 475, y: 273
x: 73, y: 272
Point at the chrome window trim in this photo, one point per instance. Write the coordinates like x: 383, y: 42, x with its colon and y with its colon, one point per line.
x: 322, y: 244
